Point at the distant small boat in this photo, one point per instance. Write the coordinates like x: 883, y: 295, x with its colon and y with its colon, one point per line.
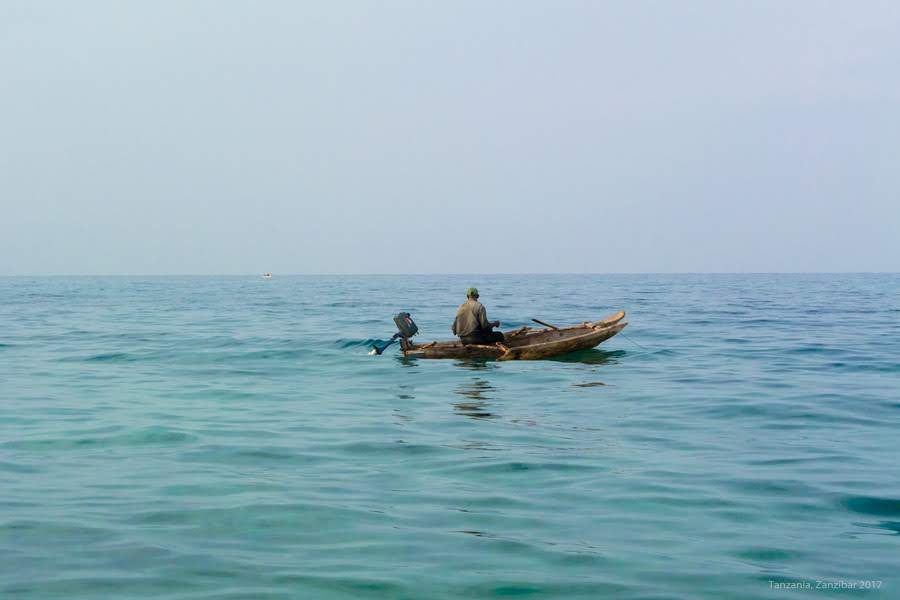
x: 267, y: 276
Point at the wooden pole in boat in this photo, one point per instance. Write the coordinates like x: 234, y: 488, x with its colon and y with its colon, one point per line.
x: 545, y: 324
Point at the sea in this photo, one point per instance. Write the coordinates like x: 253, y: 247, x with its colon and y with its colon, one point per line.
x: 231, y: 438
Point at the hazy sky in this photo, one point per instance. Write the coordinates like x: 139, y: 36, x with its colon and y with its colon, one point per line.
x: 462, y: 137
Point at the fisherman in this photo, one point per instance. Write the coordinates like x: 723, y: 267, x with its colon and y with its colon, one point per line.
x: 471, y: 324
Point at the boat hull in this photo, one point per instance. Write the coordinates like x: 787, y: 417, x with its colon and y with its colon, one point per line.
x: 526, y: 343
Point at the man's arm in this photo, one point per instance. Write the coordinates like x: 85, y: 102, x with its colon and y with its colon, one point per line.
x: 483, y: 320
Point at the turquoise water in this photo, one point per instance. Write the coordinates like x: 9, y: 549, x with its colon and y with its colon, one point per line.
x: 228, y: 437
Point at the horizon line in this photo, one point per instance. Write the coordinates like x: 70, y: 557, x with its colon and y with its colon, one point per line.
x: 440, y: 274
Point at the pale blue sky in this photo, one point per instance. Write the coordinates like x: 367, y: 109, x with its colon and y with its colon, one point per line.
x: 384, y: 137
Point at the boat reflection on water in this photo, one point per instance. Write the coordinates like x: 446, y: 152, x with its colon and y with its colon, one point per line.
x: 591, y: 357
x: 587, y: 357
x: 476, y: 364
x: 405, y: 361
x: 477, y: 393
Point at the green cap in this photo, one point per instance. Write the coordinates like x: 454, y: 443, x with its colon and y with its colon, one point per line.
x: 472, y: 293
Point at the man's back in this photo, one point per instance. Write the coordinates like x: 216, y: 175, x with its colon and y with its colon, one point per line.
x: 471, y: 317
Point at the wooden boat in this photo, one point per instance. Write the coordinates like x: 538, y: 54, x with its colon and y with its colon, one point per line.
x: 525, y: 343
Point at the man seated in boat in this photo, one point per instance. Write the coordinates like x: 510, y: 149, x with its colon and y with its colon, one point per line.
x: 471, y: 324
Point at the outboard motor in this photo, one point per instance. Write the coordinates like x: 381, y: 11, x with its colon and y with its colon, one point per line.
x: 405, y: 325
x: 406, y: 328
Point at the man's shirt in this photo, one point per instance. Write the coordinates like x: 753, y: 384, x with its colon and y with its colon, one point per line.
x: 471, y: 317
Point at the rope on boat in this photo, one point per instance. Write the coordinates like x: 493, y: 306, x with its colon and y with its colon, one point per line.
x: 634, y: 342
